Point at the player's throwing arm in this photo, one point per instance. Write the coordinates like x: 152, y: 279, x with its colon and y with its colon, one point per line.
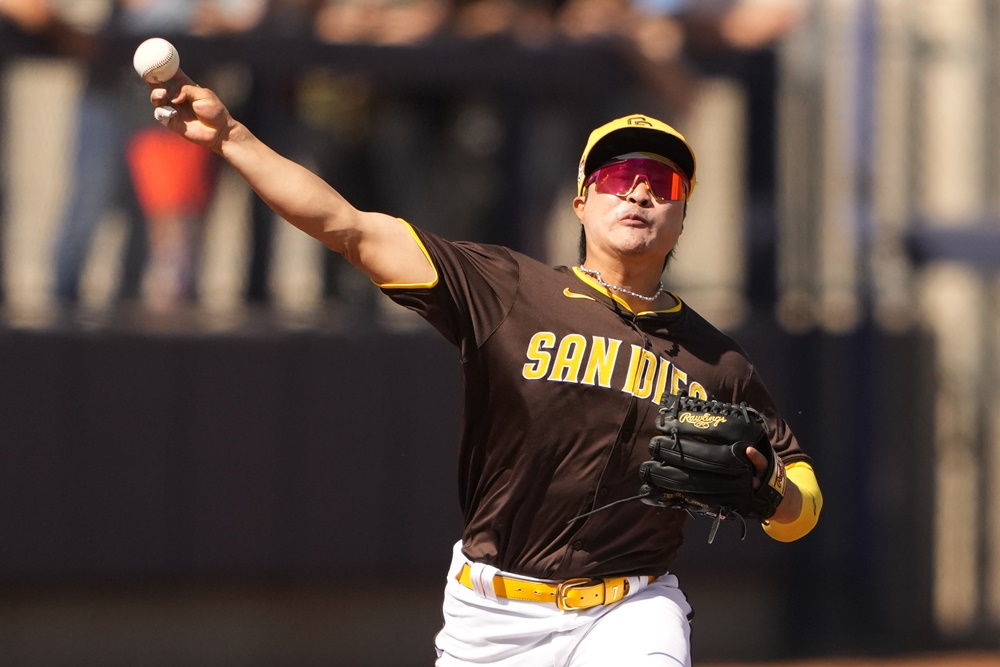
x: 378, y: 244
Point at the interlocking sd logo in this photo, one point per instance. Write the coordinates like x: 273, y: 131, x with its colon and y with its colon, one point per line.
x: 641, y: 121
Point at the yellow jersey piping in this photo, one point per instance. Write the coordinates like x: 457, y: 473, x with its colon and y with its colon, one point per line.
x: 600, y: 288
x: 427, y: 255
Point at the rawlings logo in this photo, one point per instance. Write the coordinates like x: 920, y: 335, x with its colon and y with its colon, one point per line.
x: 778, y: 477
x: 703, y: 421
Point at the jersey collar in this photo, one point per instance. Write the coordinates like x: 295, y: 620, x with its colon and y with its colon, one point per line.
x: 589, y: 280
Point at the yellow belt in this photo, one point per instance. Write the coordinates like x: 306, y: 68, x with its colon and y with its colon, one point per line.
x: 567, y: 595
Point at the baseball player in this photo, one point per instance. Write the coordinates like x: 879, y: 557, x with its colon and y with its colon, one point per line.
x: 564, y: 371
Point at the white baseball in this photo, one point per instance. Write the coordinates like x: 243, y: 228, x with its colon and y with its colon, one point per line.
x: 156, y: 60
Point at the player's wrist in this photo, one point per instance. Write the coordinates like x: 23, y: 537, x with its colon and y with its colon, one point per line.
x: 790, y: 506
x: 803, y: 479
x: 233, y: 135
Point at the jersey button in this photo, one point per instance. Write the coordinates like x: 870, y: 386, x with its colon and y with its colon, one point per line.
x: 578, y: 545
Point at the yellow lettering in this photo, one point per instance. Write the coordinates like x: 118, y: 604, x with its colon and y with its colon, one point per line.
x: 633, y: 369
x: 697, y: 391
x: 538, y: 358
x: 601, y: 363
x: 569, y: 358
x: 704, y: 420
x: 641, y: 373
x: 661, y: 380
x: 593, y: 362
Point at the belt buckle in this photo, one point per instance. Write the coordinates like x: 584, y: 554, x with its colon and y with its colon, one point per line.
x: 563, y: 590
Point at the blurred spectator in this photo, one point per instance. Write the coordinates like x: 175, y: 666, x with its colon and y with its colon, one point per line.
x: 226, y: 17
x: 28, y: 16
x: 108, y: 115
x: 112, y: 114
x: 671, y: 35
x: 380, y: 21
x: 528, y: 22
x: 743, y: 25
x: 596, y: 19
x: 174, y: 183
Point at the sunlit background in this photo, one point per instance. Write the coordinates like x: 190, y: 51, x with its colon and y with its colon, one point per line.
x: 845, y: 225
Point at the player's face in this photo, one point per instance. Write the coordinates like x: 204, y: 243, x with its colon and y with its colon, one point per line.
x: 633, y: 225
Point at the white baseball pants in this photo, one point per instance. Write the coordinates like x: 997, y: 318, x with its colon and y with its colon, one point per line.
x: 649, y: 628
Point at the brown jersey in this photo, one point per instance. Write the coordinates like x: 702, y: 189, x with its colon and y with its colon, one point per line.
x: 562, y: 386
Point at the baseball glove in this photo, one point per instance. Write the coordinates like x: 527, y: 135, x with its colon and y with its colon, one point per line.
x: 700, y: 463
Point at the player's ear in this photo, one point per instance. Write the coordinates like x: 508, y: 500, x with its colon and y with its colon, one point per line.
x: 578, y: 203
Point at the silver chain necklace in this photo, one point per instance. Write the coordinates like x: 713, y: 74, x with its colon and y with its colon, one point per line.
x: 597, y: 276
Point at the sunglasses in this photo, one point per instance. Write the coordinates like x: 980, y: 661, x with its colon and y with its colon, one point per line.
x: 666, y: 182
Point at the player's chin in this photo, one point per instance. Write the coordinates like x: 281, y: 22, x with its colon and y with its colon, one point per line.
x: 641, y: 243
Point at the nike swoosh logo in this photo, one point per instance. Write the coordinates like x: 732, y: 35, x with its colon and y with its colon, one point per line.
x: 575, y: 295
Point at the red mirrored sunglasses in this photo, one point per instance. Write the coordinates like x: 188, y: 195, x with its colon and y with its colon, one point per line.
x: 666, y: 182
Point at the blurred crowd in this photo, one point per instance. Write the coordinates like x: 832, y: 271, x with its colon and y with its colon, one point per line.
x: 469, y: 162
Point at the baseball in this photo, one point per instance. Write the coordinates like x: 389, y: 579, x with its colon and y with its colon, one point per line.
x: 156, y: 60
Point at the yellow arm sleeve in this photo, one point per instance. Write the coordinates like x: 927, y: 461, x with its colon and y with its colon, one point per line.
x: 802, y: 474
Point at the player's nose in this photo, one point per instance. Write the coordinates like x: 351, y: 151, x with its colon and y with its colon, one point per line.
x: 640, y: 194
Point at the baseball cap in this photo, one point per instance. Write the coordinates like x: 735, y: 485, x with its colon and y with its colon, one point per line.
x: 631, y: 134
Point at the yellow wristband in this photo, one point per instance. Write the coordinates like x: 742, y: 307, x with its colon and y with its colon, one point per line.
x: 802, y: 475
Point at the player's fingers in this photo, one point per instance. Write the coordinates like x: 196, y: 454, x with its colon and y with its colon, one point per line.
x: 157, y: 95
x: 759, y: 462
x: 192, y: 93
x: 167, y: 90
x: 160, y: 96
x: 163, y: 113
x: 202, y: 101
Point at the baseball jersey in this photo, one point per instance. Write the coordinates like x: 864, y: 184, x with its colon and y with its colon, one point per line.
x: 562, y: 386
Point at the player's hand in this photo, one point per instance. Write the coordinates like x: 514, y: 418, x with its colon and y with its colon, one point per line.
x: 790, y: 505
x: 200, y: 116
